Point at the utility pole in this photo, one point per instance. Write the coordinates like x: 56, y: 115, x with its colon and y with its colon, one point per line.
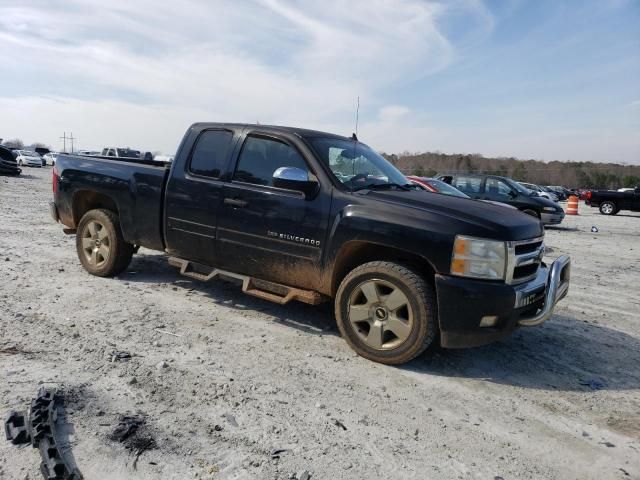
x: 64, y: 141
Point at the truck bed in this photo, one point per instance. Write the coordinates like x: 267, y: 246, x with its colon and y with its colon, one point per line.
x: 135, y: 185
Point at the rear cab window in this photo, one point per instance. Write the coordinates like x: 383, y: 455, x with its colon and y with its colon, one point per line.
x: 210, y: 154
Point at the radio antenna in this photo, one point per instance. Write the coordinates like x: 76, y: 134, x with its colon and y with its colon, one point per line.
x: 357, y: 116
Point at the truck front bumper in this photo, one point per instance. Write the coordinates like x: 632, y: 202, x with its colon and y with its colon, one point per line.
x: 475, y: 312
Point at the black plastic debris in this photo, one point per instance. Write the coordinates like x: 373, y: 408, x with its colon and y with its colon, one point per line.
x: 15, y: 428
x: 120, y: 356
x: 131, y: 432
x: 42, y: 427
x: 127, y: 426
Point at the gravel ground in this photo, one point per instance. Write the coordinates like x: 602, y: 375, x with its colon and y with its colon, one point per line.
x: 244, y: 378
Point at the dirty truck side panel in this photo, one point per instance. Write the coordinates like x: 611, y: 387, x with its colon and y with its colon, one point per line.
x: 267, y: 232
x: 134, y: 189
x: 193, y: 196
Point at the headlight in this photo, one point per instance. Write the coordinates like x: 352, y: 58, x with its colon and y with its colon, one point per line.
x: 549, y: 209
x: 478, y: 258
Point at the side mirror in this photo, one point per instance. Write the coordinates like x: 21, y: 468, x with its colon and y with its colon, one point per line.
x: 513, y: 194
x: 293, y: 178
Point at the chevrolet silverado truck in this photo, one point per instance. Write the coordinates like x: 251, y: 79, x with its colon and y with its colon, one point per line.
x: 610, y: 202
x: 294, y: 214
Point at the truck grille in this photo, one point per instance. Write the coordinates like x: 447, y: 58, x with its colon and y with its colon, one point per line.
x: 523, y: 259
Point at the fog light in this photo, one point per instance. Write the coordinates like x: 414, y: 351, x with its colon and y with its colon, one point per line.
x: 489, y: 321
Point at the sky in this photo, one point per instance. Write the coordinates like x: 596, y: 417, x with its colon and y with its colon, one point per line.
x: 551, y: 80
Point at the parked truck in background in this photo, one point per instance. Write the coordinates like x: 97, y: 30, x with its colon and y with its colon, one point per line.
x: 610, y: 202
x: 296, y: 214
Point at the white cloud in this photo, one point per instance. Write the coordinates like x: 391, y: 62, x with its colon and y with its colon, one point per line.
x: 110, y: 71
x: 392, y: 113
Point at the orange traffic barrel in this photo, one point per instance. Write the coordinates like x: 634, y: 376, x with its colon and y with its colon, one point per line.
x: 572, y: 205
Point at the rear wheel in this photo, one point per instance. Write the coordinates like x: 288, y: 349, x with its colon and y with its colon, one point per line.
x: 386, y: 312
x: 101, y: 248
x: 608, y: 208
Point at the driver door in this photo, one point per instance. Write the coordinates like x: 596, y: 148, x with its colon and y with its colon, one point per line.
x: 498, y: 191
x: 267, y: 232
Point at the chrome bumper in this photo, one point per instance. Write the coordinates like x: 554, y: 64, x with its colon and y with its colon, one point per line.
x: 556, y: 289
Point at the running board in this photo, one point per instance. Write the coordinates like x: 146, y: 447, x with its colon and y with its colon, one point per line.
x: 274, y: 292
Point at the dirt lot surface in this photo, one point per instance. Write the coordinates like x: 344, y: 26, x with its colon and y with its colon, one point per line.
x: 249, y: 389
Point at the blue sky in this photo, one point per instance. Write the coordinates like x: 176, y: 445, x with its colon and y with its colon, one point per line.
x: 534, y: 79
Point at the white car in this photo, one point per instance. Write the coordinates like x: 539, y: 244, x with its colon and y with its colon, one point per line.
x: 51, y: 157
x: 28, y: 158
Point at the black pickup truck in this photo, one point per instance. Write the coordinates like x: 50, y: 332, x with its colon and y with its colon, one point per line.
x: 303, y: 215
x: 610, y: 202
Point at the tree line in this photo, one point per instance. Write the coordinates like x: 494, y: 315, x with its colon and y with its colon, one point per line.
x: 569, y: 174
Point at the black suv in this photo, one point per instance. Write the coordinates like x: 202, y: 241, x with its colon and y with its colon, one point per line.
x: 505, y: 190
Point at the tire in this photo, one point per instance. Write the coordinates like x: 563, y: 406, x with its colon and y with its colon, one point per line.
x: 374, y: 325
x: 101, y: 248
x: 533, y: 213
x: 608, y: 208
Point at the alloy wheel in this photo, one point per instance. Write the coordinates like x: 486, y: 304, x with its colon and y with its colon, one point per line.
x: 95, y: 243
x: 380, y: 314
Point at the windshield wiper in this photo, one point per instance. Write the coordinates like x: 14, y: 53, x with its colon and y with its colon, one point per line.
x: 381, y: 186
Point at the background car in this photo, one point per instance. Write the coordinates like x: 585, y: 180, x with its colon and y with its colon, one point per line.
x: 8, y: 164
x: 540, y: 191
x: 28, y: 158
x: 50, y: 157
x: 562, y: 192
x: 438, y: 186
x: 506, y: 190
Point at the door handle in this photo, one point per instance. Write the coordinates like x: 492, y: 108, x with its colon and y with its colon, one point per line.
x: 236, y: 202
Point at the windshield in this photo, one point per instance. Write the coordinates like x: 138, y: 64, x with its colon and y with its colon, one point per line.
x: 445, y: 188
x: 355, y: 164
x: 519, y: 188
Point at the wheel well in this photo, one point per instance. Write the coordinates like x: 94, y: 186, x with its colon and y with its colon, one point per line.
x: 86, y: 200
x: 356, y: 253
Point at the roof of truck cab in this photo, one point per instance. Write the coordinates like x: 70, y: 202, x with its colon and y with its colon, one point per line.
x: 301, y: 132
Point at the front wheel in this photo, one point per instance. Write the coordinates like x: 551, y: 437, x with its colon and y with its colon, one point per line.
x: 386, y: 312
x: 608, y: 208
x: 101, y: 247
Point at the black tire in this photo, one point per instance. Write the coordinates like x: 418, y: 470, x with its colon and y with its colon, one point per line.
x: 608, y: 208
x: 119, y: 252
x: 421, y: 302
x: 531, y: 212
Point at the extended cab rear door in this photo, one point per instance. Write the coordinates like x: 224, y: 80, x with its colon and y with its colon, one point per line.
x: 194, y: 193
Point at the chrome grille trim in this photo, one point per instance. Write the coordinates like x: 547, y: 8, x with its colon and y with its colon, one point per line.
x: 530, y: 258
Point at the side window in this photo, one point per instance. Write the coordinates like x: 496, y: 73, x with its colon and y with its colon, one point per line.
x: 111, y: 153
x: 260, y: 157
x: 468, y: 185
x: 211, y: 153
x: 497, y: 188
x: 446, y: 179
